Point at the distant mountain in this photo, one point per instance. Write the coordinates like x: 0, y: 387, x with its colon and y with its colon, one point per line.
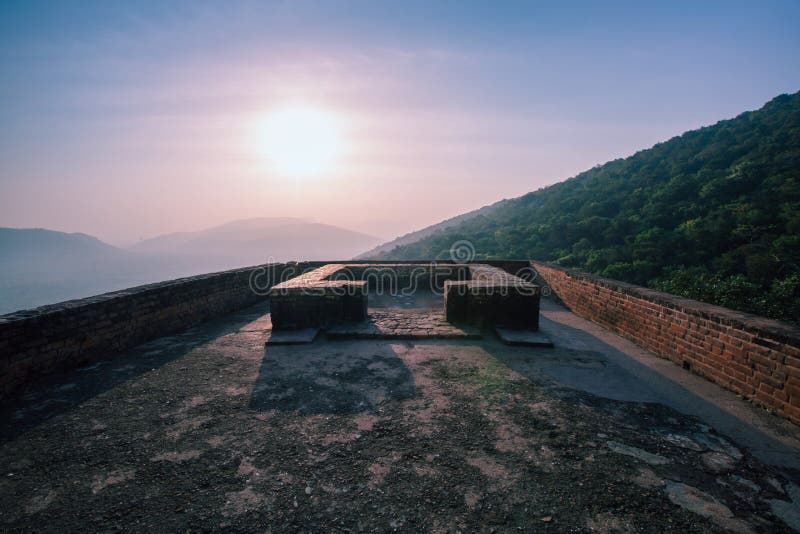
x: 251, y: 241
x: 713, y: 214
x: 39, y: 266
x: 429, y: 230
x: 24, y: 245
x: 242, y: 229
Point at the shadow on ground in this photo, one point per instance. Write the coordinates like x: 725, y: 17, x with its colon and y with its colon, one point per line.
x: 589, y: 371
x: 314, y: 379
x: 60, y: 393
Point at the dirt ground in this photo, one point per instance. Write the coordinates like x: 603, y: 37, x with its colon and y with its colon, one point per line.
x: 208, y: 430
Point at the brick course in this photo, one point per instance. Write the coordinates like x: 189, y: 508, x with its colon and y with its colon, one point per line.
x: 755, y: 357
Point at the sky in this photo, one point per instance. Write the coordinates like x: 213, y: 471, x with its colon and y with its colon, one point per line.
x: 125, y: 120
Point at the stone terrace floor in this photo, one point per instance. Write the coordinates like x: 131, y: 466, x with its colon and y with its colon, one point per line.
x: 208, y: 430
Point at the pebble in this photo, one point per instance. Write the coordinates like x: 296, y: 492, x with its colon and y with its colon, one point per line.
x: 650, y: 458
x: 684, y: 442
x: 718, y: 462
x: 696, y: 501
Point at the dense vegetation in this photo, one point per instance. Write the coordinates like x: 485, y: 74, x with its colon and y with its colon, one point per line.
x: 713, y: 215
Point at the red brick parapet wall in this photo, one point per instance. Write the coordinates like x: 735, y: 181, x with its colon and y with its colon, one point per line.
x: 755, y: 357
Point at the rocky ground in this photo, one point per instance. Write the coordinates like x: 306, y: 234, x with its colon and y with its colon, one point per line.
x: 209, y: 431
x: 395, y: 323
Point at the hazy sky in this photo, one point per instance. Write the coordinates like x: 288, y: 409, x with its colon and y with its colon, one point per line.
x: 126, y: 120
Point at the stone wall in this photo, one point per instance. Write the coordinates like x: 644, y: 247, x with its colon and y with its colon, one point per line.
x: 406, y: 278
x: 54, y: 338
x: 755, y: 357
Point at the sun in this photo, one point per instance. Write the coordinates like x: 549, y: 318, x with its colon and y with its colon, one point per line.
x: 301, y: 140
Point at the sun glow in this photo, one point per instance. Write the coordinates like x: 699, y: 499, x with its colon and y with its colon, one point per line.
x: 301, y: 140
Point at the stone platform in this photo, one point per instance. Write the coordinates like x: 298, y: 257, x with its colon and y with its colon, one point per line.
x: 299, y: 336
x: 522, y: 337
x: 478, y: 295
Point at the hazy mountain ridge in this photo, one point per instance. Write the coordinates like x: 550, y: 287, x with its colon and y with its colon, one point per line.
x: 712, y: 214
x: 235, y: 229
x: 40, y: 266
x: 257, y: 239
x: 26, y: 244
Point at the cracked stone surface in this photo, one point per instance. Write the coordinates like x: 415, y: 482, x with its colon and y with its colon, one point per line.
x: 211, y: 430
x: 399, y: 323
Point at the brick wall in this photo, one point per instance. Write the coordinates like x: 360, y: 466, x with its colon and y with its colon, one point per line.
x: 750, y: 355
x: 54, y: 338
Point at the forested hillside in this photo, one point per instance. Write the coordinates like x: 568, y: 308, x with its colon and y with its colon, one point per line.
x: 713, y: 214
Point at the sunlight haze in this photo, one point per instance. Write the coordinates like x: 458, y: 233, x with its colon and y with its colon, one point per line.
x: 129, y: 120
x: 300, y: 140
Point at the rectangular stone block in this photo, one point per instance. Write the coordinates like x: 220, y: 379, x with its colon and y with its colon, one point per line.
x: 514, y: 303
x: 354, y: 303
x: 456, y: 301
x: 317, y: 304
